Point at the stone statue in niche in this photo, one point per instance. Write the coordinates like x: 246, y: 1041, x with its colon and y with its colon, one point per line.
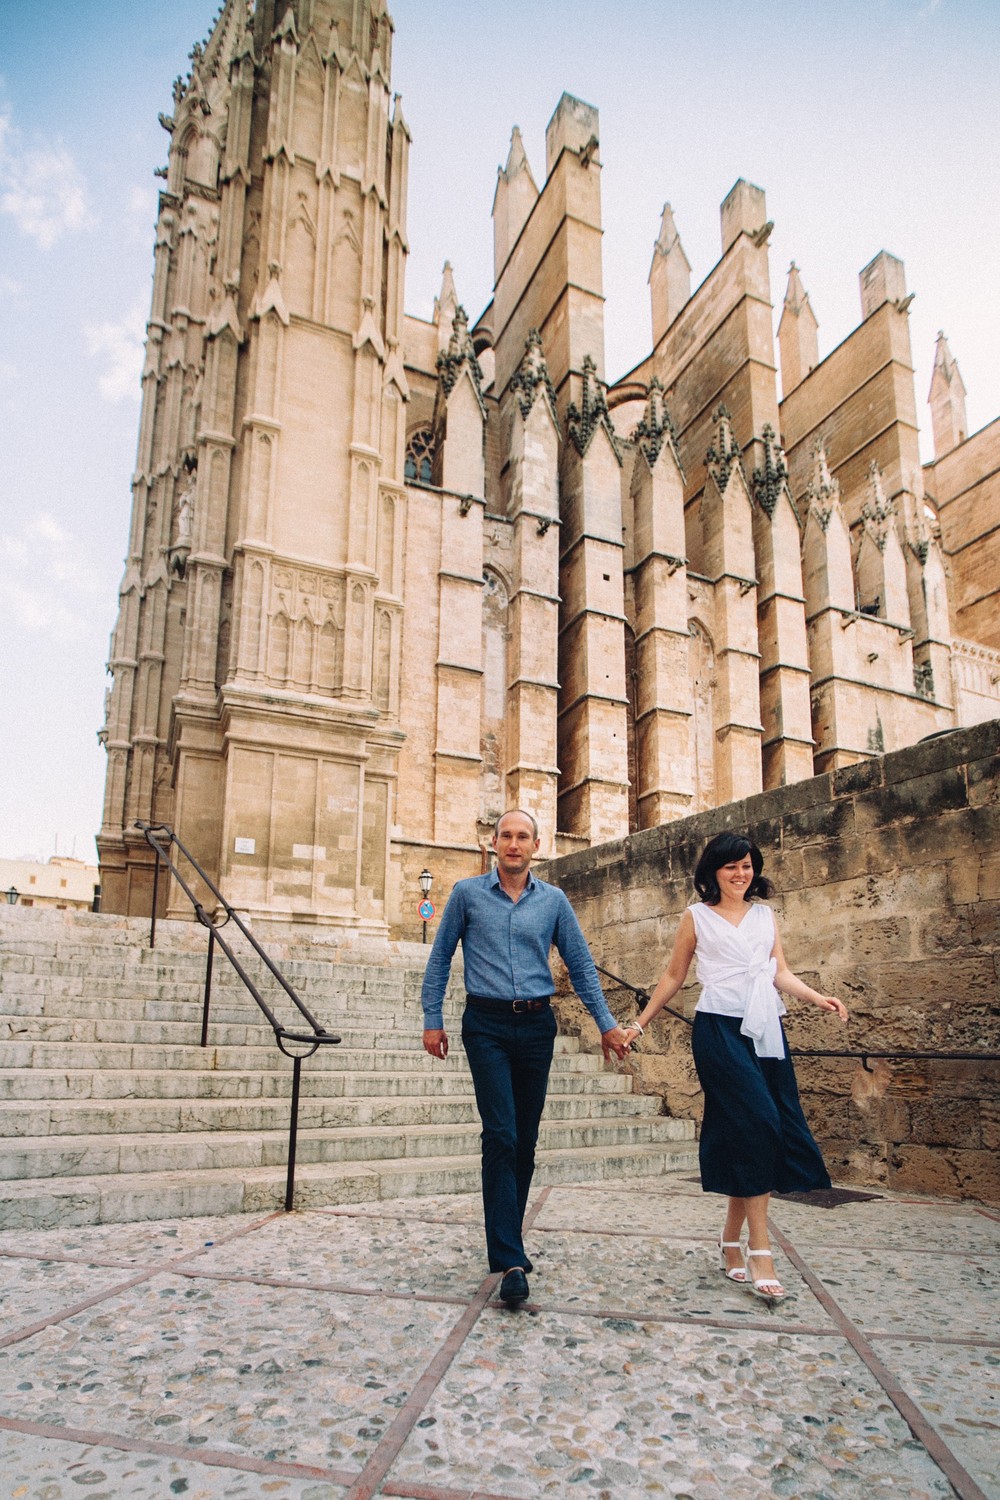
x: 183, y: 521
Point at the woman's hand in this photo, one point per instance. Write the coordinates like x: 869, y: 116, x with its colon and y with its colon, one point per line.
x: 830, y: 1002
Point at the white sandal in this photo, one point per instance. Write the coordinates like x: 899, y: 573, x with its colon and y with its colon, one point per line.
x: 735, y: 1273
x: 768, y: 1287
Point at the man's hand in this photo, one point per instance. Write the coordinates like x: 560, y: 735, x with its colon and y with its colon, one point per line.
x: 612, y: 1041
x: 436, y: 1043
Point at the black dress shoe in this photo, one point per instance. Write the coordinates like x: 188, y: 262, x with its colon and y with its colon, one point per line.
x: 514, y: 1286
x: 528, y: 1267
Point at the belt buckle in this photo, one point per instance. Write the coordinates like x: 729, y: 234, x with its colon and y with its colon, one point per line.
x: 520, y: 1006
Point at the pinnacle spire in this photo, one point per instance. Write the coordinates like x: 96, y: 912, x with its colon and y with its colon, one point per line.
x: 516, y: 195
x: 669, y: 275
x: 947, y: 400
x: 445, y: 305
x: 517, y: 160
x: 797, y: 333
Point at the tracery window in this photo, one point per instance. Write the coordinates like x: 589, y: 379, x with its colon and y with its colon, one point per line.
x: 419, y: 461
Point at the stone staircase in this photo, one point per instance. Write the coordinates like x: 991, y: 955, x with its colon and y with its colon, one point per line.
x: 111, y: 1111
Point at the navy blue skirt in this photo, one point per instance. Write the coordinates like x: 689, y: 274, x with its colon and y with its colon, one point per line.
x: 754, y: 1136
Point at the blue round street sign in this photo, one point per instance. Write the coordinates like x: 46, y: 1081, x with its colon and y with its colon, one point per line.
x: 426, y: 910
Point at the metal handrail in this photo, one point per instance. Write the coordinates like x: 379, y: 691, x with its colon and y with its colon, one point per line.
x: 642, y: 995
x: 317, y: 1037
x: 898, y: 1054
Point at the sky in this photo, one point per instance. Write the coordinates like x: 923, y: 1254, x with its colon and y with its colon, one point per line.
x: 871, y: 125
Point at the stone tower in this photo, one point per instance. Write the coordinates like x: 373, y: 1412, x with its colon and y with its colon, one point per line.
x: 256, y: 655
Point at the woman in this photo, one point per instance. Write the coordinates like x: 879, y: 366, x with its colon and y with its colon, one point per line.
x: 754, y: 1137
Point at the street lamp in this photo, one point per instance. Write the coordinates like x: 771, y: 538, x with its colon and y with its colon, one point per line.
x: 12, y: 895
x: 425, y: 880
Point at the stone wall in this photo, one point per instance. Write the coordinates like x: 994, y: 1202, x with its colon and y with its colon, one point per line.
x: 965, y: 486
x: 887, y: 875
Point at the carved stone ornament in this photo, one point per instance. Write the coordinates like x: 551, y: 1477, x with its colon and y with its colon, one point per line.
x: 769, y: 481
x: 582, y: 422
x: 877, y: 511
x: 532, y: 376
x: 656, y: 426
x: 822, y: 496
x: 459, y: 354
x: 724, y: 454
x: 923, y: 679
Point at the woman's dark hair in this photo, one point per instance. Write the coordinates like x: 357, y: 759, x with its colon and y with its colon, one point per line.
x: 724, y: 849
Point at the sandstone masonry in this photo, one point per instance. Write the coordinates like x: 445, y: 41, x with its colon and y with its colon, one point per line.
x: 386, y: 576
x: 887, y: 876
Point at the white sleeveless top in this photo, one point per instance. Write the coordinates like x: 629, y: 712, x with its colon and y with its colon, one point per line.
x: 735, y: 967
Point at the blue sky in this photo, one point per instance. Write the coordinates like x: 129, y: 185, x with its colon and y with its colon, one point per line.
x: 871, y: 124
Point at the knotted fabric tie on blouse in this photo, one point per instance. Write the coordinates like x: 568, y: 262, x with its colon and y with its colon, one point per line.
x: 761, y: 1021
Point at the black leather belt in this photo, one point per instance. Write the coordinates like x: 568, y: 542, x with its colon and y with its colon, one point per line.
x: 508, y: 1007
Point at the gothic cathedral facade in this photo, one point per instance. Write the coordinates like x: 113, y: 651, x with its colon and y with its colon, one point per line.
x: 388, y: 576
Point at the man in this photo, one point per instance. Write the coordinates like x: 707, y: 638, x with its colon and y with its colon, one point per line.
x: 506, y: 922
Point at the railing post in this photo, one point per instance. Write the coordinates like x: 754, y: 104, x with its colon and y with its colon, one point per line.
x: 293, y: 1134
x: 208, y: 987
x: 156, y: 888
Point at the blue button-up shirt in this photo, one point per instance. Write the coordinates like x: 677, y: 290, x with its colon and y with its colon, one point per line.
x: 505, y: 947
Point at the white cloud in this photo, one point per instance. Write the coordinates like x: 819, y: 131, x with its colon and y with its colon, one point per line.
x: 121, y: 344
x: 48, y: 580
x: 41, y: 187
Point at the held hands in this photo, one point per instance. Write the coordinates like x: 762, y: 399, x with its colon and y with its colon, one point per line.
x: 614, y: 1041
x: 436, y: 1043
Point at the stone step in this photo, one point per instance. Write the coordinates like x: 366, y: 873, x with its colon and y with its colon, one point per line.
x: 97, y: 1155
x: 251, y: 1059
x: 130, y: 989
x: 110, y: 1110
x: 130, y: 1116
x: 189, y: 1083
x: 129, y: 1197
x: 92, y: 1023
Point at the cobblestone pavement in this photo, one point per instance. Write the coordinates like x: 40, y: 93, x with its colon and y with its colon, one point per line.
x: 343, y: 1353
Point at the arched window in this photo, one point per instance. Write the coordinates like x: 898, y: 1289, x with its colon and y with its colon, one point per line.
x: 418, y: 465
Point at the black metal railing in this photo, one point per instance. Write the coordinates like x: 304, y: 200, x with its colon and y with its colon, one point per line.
x: 862, y: 1055
x: 158, y: 834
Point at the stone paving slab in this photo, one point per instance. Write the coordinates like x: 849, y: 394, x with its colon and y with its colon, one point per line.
x: 247, y: 1370
x: 634, y: 1408
x: 958, y: 1388
x: 898, y: 1291
x: 31, y: 1290
x: 358, y: 1252
x: 359, y: 1351
x: 40, y: 1468
x: 892, y: 1222
x: 147, y: 1242
x: 661, y: 1276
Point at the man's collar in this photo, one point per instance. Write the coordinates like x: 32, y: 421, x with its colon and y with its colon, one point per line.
x: 495, y: 879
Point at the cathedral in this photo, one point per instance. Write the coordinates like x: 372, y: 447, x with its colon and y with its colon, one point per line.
x: 388, y: 576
